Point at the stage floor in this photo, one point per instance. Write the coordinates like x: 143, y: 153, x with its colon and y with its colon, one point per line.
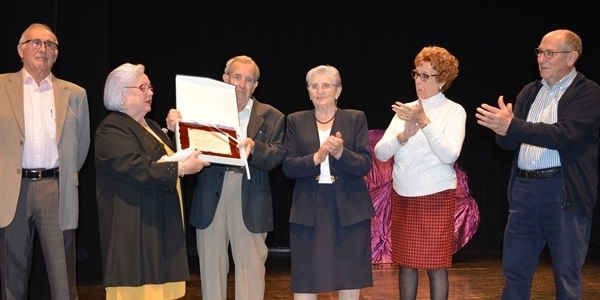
x: 474, y: 275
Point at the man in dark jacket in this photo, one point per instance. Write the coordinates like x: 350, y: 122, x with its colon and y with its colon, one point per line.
x: 231, y: 207
x: 554, y: 178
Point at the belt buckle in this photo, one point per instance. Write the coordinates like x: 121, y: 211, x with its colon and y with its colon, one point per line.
x: 529, y: 174
x: 39, y: 176
x: 526, y: 174
x: 333, y: 178
x: 235, y: 169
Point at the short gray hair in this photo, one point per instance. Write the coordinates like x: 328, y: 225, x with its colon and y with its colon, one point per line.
x: 114, y: 89
x: 245, y: 60
x: 328, y: 70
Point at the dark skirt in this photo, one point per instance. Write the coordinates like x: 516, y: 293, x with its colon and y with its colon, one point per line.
x: 423, y: 230
x: 330, y: 257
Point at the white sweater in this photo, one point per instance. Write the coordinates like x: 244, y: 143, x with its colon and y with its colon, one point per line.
x: 424, y: 165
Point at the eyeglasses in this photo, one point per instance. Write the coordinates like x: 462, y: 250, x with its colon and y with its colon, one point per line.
x: 36, y: 44
x: 423, y: 76
x: 143, y: 87
x: 325, y: 86
x: 548, y: 53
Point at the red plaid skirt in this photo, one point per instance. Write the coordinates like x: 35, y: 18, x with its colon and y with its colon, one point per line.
x: 422, y: 230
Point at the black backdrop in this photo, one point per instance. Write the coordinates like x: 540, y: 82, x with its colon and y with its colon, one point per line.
x: 372, y: 44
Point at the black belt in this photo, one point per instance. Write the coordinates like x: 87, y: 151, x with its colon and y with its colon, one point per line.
x: 540, y: 174
x: 37, y: 174
x: 235, y: 169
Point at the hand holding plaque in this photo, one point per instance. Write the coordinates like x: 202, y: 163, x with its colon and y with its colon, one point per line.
x: 210, y: 120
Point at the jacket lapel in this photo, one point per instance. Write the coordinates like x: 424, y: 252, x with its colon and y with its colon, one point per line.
x: 14, y: 89
x: 256, y: 119
x: 61, y: 104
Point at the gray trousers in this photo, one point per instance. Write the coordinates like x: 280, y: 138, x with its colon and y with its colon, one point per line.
x: 37, y: 212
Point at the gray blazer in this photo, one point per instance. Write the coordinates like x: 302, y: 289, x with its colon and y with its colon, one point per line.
x: 266, y: 127
x: 73, y: 136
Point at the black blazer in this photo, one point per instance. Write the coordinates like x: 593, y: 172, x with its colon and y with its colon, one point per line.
x: 266, y: 127
x: 140, y: 218
x: 302, y: 141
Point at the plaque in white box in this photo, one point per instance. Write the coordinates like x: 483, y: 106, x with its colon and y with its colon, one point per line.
x: 210, y: 120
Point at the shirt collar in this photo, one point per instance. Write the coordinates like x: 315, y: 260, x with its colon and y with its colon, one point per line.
x: 563, y: 83
x: 29, y: 80
x: 247, y: 109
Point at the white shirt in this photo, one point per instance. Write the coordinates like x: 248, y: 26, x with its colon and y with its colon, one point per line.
x: 40, y: 149
x: 325, y: 176
x: 244, y: 117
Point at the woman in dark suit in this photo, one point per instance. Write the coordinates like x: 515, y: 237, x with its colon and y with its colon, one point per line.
x: 330, y: 219
x: 139, y: 200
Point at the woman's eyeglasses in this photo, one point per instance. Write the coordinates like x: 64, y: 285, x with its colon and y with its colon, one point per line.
x: 424, y: 76
x: 325, y: 86
x: 143, y: 87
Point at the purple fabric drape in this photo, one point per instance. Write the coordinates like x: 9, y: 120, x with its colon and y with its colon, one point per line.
x: 466, y: 217
x: 379, y: 182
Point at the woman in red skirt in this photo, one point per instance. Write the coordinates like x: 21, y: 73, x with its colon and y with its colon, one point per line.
x: 425, y: 138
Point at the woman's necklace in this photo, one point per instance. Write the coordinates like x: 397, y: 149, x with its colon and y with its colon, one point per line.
x: 332, y: 117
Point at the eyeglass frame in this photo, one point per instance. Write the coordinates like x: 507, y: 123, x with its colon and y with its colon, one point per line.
x: 48, y: 44
x: 423, y: 76
x: 548, y: 53
x: 144, y: 87
x: 325, y: 86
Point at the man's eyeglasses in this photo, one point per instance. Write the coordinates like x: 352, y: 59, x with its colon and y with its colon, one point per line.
x: 424, y: 76
x: 548, y: 53
x: 143, y: 87
x: 325, y: 86
x: 36, y: 44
